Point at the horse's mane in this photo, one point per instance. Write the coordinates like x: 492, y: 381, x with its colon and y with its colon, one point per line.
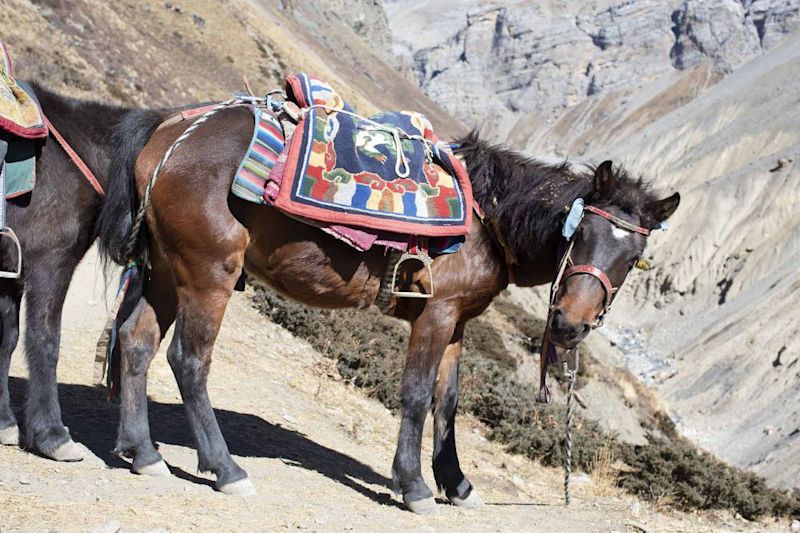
x: 527, y: 197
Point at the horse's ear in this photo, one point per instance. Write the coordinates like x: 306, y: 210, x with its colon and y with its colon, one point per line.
x: 604, y: 178
x: 661, y: 210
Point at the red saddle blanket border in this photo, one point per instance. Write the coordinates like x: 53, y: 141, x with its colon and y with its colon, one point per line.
x: 39, y: 132
x: 284, y: 202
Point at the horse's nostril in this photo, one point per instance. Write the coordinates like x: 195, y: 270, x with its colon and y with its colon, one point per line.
x: 558, y: 321
x: 561, y: 324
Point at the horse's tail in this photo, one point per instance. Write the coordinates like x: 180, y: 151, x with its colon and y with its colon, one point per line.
x: 114, y: 226
x: 120, y: 203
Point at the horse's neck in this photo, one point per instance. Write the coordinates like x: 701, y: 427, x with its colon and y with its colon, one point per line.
x: 523, y: 273
x: 87, y: 128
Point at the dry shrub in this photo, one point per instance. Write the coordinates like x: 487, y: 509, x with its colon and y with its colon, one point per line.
x: 369, y: 350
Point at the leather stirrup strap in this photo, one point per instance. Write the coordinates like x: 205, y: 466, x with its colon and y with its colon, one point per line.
x: 87, y: 173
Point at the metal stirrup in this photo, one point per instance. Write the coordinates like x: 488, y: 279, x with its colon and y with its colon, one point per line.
x: 423, y: 258
x: 6, y: 232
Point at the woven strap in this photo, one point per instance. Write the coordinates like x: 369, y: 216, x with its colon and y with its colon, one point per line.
x: 87, y: 173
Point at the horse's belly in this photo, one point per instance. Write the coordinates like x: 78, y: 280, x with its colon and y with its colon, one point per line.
x: 304, y: 272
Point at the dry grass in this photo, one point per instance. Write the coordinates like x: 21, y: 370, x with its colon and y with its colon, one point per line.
x: 605, y: 470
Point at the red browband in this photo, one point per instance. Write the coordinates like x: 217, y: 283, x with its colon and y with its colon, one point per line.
x: 617, y: 221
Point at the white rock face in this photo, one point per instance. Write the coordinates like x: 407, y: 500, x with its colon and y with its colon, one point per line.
x: 367, y: 19
x: 491, y: 62
x: 713, y: 28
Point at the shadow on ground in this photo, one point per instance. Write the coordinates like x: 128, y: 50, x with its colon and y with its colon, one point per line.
x: 92, y: 421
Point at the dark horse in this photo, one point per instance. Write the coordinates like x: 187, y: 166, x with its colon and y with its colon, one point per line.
x: 200, y: 238
x: 56, y: 226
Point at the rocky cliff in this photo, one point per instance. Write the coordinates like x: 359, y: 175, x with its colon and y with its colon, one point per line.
x: 702, y: 97
x: 491, y: 63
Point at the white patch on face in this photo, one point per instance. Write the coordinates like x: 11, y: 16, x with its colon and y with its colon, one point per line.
x: 619, y: 233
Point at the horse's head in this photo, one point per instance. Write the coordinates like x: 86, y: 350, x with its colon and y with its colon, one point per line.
x: 609, y: 241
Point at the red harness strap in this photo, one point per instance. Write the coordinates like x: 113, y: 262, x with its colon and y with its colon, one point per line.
x: 87, y: 173
x: 597, y: 274
x: 624, y: 224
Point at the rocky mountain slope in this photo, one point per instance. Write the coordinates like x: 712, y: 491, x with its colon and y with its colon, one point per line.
x: 702, y: 97
x: 494, y: 62
x: 158, y: 53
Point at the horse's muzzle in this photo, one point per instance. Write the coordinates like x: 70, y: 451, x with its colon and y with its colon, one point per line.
x: 565, y: 332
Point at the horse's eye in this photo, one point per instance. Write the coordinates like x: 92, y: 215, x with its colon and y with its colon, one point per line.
x: 643, y: 264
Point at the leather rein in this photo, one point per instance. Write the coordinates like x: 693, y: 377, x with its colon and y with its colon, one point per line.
x: 73, y: 155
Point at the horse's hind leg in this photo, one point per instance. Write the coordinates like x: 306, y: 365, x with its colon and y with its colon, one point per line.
x: 202, y: 297
x: 446, y: 468
x: 430, y: 334
x: 140, y: 335
x: 46, y: 284
x: 10, y: 296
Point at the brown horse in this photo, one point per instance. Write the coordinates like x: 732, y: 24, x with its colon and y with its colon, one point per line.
x: 200, y: 238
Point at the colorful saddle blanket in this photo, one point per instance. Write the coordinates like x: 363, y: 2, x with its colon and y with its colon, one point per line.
x: 19, y: 112
x: 252, y: 183
x: 386, y: 172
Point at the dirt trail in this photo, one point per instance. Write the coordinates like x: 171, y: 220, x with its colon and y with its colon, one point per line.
x: 317, y: 450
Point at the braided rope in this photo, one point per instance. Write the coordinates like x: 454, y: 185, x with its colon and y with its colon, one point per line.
x: 133, y: 237
x: 571, y: 374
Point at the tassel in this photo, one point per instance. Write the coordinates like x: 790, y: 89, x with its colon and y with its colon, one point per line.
x: 104, y: 362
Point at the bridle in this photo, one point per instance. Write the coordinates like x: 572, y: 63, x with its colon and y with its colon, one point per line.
x: 566, y: 270
x: 591, y: 270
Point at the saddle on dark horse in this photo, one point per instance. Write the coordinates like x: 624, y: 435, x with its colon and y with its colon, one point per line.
x: 21, y: 125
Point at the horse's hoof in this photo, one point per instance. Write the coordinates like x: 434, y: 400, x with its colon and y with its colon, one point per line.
x: 157, y: 469
x: 424, y: 507
x: 472, y: 501
x: 69, y: 452
x: 9, y: 436
x: 243, y: 487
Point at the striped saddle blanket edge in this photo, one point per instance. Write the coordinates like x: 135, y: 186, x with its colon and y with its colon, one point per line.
x: 265, y: 148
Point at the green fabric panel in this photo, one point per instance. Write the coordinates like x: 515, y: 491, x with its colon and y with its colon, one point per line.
x: 20, y: 167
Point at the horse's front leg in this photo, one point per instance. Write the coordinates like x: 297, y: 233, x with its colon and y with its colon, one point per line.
x: 431, y: 332
x: 446, y: 468
x: 46, y: 283
x: 10, y: 295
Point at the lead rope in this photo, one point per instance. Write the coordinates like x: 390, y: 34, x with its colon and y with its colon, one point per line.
x: 571, y: 374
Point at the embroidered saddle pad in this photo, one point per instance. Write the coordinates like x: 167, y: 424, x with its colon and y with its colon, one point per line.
x: 386, y: 172
x: 252, y: 183
x: 19, y: 112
